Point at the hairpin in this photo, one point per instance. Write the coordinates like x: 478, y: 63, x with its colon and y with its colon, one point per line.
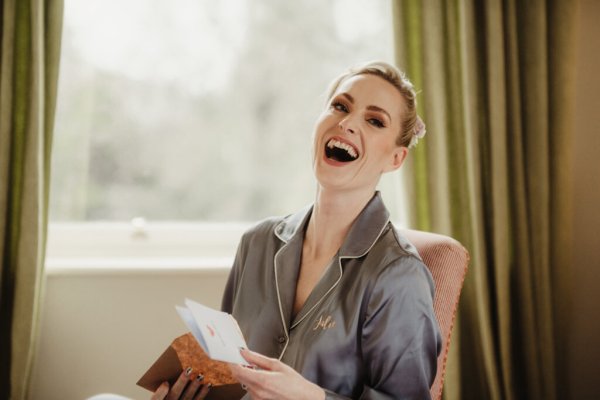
x: 418, y: 132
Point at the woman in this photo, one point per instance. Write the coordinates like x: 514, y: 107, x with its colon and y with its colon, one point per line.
x: 332, y: 300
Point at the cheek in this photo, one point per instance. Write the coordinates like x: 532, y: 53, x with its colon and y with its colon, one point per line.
x: 316, y: 134
x: 321, y: 123
x: 383, y: 149
x: 321, y: 126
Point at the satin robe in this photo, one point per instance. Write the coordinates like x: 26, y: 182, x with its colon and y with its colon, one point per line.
x: 366, y: 331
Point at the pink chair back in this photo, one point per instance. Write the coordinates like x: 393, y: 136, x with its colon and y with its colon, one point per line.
x: 447, y: 261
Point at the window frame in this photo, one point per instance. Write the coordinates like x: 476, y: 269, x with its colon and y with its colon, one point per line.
x: 92, y: 246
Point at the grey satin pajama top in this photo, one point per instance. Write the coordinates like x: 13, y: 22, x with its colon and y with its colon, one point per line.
x: 367, y: 330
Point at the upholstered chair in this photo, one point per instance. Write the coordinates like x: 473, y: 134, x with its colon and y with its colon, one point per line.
x: 447, y: 261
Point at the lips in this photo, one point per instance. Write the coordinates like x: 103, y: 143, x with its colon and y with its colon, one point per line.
x: 339, y: 150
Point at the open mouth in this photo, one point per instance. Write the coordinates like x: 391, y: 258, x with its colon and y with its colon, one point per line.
x: 340, y: 151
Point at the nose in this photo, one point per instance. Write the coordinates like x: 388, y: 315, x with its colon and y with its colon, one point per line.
x: 347, y: 125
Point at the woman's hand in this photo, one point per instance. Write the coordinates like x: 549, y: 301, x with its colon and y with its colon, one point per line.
x: 187, y: 387
x: 274, y: 380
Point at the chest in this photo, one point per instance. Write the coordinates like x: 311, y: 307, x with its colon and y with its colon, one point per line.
x: 310, y: 272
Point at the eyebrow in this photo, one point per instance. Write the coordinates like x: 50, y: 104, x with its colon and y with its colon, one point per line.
x: 350, y: 98
x: 379, y: 109
x: 370, y: 108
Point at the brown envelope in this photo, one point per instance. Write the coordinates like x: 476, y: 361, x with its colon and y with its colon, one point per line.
x: 186, y: 352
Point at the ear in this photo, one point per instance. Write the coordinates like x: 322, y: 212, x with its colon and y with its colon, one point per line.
x: 398, y: 156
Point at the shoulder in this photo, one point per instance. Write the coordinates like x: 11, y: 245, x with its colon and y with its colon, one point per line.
x: 279, y: 228
x: 404, y: 288
x: 262, y: 229
x: 396, y: 244
x: 401, y: 267
x: 258, y: 234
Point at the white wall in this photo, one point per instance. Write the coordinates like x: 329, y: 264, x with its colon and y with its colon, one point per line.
x: 101, y: 330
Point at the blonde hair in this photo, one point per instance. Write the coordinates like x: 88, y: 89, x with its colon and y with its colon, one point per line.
x: 407, y: 136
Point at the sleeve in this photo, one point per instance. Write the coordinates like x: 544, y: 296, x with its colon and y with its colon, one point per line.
x: 400, y: 337
x: 230, y: 291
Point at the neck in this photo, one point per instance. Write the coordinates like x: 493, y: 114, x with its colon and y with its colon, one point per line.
x: 331, y: 219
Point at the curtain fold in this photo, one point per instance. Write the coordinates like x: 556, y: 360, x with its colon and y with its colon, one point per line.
x: 30, y: 46
x: 496, y: 86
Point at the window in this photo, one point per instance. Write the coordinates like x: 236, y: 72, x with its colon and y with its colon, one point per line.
x: 196, y: 111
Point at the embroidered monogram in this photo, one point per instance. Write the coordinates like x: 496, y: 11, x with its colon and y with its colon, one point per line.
x: 324, y: 323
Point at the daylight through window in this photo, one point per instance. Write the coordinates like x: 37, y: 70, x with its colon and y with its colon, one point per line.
x: 195, y: 110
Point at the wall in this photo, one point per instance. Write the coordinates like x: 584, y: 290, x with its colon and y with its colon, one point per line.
x: 101, y: 330
x: 583, y: 346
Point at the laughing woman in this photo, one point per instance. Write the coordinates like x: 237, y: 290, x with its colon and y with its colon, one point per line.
x: 333, y: 301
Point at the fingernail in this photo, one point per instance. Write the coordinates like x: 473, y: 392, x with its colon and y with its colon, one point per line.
x: 200, y: 377
x: 209, y: 386
x: 188, y: 371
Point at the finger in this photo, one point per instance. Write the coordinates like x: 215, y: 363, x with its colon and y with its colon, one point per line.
x: 179, y: 385
x: 191, y: 389
x: 259, y: 360
x: 253, y: 394
x: 252, y: 377
x: 235, y: 368
x: 203, y: 392
x: 161, y: 392
x: 240, y: 373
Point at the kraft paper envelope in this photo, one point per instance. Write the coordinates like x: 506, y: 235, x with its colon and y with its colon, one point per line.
x: 217, y: 332
x: 186, y: 352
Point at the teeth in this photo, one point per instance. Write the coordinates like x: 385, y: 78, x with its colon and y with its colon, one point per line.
x: 336, y: 143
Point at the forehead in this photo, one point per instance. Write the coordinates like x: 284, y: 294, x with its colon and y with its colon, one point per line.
x: 372, y: 90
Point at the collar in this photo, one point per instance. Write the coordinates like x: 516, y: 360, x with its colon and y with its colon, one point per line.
x: 365, y: 230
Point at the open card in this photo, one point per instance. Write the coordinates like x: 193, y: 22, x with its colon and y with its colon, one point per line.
x: 217, y: 332
x: 185, y: 352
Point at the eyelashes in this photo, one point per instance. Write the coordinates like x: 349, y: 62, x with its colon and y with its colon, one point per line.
x: 341, y: 107
x: 376, y: 122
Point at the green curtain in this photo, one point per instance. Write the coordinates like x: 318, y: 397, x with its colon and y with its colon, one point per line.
x: 496, y: 92
x: 30, y: 38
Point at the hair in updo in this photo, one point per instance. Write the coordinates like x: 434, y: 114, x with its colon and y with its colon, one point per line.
x: 411, y: 128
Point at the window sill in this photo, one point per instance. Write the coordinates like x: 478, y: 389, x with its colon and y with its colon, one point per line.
x: 132, y: 266
x: 140, y: 247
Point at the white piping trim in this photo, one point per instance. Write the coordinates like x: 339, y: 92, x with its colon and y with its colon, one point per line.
x: 287, y: 336
x: 374, y: 241
x: 322, y: 297
x: 277, y: 233
x: 287, y: 339
x: 341, y: 272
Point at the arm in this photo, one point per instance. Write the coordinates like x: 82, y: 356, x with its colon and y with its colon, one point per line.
x: 233, y: 279
x: 400, y: 336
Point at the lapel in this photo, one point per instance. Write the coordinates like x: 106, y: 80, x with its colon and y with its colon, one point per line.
x: 331, y: 277
x: 363, y: 234
x: 286, y: 262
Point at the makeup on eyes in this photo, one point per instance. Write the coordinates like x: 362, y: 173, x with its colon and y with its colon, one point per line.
x: 385, y: 118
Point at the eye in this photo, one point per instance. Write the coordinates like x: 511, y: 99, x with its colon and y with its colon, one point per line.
x: 376, y: 122
x: 339, y: 106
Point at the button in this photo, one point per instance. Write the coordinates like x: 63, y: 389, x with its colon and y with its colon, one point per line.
x: 281, y: 339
